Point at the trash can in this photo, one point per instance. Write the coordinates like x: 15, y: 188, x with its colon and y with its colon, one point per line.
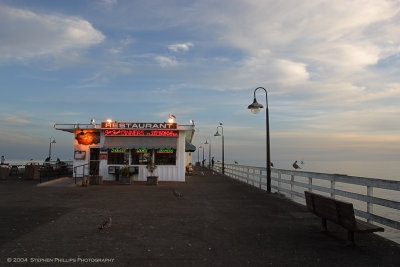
x: 4, y: 172
x: 32, y: 172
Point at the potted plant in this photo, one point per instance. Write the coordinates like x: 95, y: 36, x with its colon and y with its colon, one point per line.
x: 124, y: 177
x: 151, y: 179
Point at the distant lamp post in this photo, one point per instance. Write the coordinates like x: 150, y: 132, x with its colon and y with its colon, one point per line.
x: 209, y: 153
x: 52, y: 141
x: 202, y: 163
x: 198, y: 154
x: 255, y: 108
x: 223, y: 146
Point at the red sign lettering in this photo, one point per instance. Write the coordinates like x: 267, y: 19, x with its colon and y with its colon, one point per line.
x: 140, y: 133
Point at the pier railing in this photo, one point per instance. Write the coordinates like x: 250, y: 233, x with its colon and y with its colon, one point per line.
x: 358, y: 190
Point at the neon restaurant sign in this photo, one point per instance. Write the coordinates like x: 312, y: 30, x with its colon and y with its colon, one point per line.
x: 140, y: 133
x: 165, y: 151
x: 138, y: 125
x: 118, y: 150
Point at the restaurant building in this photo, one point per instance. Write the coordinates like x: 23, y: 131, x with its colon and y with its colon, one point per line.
x: 102, y: 149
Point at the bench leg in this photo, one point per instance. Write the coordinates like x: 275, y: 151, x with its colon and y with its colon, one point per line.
x: 324, y: 226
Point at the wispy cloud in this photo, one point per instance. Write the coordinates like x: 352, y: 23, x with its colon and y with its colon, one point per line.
x: 166, y: 61
x: 180, y: 47
x: 15, y: 119
x: 108, y: 3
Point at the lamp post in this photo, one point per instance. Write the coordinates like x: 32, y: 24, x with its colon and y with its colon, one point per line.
x: 255, y: 108
x: 51, y: 142
x: 198, y: 154
x: 223, y: 146
x: 202, y: 163
x: 209, y: 152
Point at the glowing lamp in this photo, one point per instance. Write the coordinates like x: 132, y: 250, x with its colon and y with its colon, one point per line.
x: 171, y: 119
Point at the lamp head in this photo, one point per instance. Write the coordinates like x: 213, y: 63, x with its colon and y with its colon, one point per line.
x: 255, y: 107
x: 217, y: 134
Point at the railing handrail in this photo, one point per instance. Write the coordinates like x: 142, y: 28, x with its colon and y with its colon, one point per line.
x: 83, y: 173
x: 256, y: 175
x: 342, y: 178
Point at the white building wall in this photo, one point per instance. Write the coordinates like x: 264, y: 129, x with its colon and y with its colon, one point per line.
x: 164, y: 172
x: 81, y: 166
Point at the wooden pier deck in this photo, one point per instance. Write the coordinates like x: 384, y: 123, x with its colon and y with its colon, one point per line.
x: 217, y: 222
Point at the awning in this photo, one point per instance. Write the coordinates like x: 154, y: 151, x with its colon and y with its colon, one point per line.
x: 189, y: 147
x: 139, y: 142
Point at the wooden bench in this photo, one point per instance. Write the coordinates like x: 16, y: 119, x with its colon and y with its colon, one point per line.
x: 339, y: 212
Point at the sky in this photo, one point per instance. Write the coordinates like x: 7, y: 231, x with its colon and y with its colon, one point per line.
x: 331, y: 69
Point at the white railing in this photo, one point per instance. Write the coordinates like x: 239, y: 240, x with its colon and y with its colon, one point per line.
x: 289, y: 183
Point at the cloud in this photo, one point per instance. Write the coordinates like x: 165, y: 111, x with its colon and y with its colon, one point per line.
x: 25, y: 35
x: 103, y: 76
x: 9, y: 137
x: 180, y: 47
x: 15, y: 119
x: 166, y: 61
x: 108, y: 3
x: 121, y: 45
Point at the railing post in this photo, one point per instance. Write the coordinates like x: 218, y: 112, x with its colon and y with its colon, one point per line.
x: 333, y: 187
x: 279, y: 182
x: 247, y: 174
x: 259, y: 183
x: 370, y: 208
x: 310, y: 184
x: 291, y: 187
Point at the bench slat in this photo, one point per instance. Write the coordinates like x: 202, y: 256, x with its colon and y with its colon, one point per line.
x: 365, y: 227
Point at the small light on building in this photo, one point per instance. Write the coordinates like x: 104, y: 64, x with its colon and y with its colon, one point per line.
x: 109, y: 120
x: 171, y: 119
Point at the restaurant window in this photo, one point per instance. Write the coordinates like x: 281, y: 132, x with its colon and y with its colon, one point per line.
x: 141, y: 156
x: 165, y: 156
x: 117, y: 156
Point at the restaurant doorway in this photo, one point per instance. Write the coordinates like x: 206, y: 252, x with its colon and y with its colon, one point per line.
x: 94, y: 161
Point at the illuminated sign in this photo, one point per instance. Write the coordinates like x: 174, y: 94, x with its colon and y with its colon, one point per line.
x: 140, y: 133
x: 141, y: 150
x: 138, y: 125
x: 87, y: 137
x: 118, y: 150
x: 165, y: 151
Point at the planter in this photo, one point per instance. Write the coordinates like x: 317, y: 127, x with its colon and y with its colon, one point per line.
x: 152, y: 180
x: 96, y: 179
x: 125, y: 180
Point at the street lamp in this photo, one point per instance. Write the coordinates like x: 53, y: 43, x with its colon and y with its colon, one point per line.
x: 51, y: 142
x: 209, y: 152
x: 223, y: 146
x: 202, y: 163
x: 198, y: 154
x: 255, y: 108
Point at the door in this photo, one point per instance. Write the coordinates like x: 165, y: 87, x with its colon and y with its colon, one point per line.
x: 94, y: 161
